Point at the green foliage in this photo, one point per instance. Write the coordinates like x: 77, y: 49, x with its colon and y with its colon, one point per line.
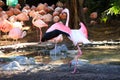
x: 113, y: 10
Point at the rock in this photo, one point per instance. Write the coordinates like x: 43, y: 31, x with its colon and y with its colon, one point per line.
x: 79, y: 62
x: 1, y: 53
x: 24, y: 60
x: 31, y: 60
x: 64, y: 48
x: 12, y: 66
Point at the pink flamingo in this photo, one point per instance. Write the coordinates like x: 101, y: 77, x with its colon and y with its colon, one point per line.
x: 39, y: 23
x: 5, y: 26
x: 93, y: 15
x: 16, y: 33
x: 23, y: 16
x: 76, y: 36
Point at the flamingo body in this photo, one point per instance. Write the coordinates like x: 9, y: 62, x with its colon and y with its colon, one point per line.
x: 23, y: 16
x: 17, y: 24
x: 39, y: 23
x: 6, y: 26
x: 16, y: 33
x: 57, y: 39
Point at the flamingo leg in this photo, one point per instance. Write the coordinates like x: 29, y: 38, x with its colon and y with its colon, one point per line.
x: 55, y: 48
x: 37, y: 33
x: 40, y: 35
x: 76, y: 58
x: 16, y: 45
x: 6, y: 36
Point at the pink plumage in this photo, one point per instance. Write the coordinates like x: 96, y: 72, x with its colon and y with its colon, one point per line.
x: 59, y: 26
x: 75, y: 35
x: 83, y: 29
x: 16, y: 33
x: 5, y: 26
x: 57, y: 39
x: 39, y: 23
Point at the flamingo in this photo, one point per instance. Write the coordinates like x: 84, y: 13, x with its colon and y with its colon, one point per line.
x: 75, y: 35
x: 15, y: 23
x: 5, y: 26
x: 16, y: 33
x: 23, y: 16
x: 82, y: 37
x: 39, y: 23
x: 93, y: 15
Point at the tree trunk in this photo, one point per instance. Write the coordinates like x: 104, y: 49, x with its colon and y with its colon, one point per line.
x: 76, y: 13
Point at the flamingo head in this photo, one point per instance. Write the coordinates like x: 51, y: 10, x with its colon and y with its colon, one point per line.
x: 65, y: 10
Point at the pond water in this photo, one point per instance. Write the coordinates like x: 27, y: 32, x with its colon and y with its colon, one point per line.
x: 93, y: 56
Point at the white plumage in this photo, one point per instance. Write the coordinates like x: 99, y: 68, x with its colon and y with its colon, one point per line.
x: 78, y: 37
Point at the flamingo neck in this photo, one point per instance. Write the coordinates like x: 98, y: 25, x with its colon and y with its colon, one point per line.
x: 33, y: 20
x: 67, y: 21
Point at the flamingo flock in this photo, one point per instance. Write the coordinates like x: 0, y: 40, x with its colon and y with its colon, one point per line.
x: 12, y: 22
x: 42, y: 15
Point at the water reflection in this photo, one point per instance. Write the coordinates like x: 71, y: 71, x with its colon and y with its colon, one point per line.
x: 44, y: 56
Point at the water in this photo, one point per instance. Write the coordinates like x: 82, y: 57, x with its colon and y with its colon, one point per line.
x: 96, y: 56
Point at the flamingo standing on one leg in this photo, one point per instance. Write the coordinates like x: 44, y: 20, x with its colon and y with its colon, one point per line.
x: 39, y: 23
x: 76, y: 36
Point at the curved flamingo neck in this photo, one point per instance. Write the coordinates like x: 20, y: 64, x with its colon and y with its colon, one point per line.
x: 33, y: 20
x: 67, y: 21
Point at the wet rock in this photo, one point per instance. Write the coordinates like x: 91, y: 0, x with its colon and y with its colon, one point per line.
x: 12, y: 66
x: 1, y: 53
x: 24, y: 60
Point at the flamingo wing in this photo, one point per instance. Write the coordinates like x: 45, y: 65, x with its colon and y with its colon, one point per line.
x: 59, y: 26
x: 39, y: 23
x: 83, y: 29
x: 50, y: 35
x: 78, y: 37
x: 55, y: 30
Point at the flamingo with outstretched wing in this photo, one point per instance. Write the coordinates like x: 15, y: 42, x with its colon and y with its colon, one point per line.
x: 75, y: 35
